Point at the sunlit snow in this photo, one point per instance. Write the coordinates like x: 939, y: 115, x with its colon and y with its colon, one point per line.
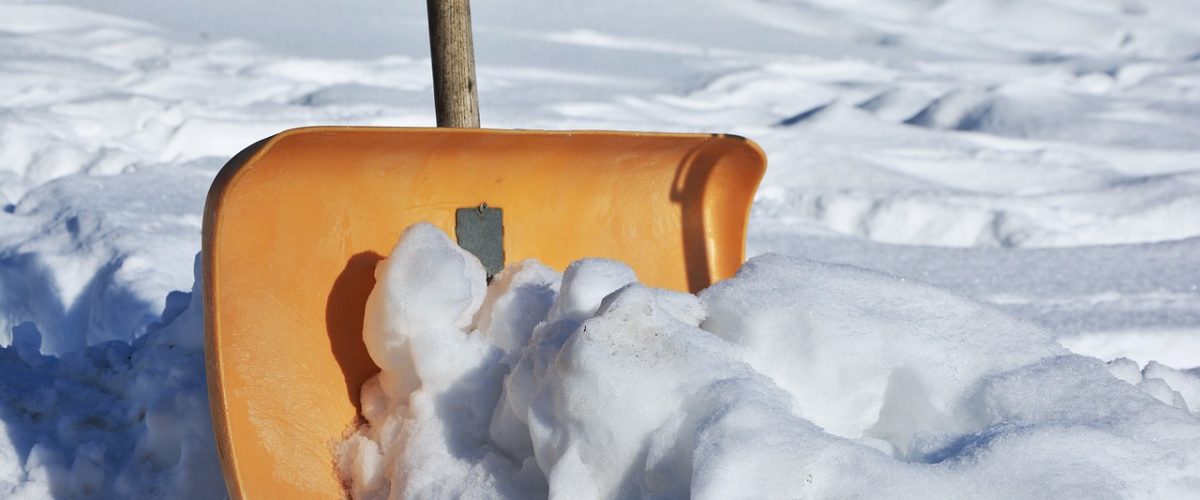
x: 960, y: 195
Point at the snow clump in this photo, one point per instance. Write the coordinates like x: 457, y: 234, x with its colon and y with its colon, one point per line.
x: 794, y: 378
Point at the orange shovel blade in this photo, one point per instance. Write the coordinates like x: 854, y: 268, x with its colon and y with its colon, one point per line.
x: 296, y: 223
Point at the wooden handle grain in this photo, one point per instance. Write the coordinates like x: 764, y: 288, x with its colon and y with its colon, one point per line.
x: 453, y: 63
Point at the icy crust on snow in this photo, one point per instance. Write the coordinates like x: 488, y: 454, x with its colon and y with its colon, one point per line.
x: 794, y: 378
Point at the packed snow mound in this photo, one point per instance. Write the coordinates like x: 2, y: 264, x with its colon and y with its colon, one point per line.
x: 794, y: 378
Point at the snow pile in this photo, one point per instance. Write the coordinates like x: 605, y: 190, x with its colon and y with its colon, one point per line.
x: 113, y: 420
x: 794, y: 378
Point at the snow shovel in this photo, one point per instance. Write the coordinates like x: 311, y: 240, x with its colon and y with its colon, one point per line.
x: 295, y: 224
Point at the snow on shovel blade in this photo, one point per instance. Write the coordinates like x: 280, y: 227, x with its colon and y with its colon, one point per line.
x: 295, y: 224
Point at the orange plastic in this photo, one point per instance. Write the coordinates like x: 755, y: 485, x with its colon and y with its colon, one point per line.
x: 295, y: 224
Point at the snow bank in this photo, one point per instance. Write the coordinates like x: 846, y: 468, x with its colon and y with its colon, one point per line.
x: 794, y: 378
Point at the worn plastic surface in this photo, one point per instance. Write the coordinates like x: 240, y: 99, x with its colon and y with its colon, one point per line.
x: 295, y: 224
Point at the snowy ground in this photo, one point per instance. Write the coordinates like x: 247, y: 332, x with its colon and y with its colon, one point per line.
x: 1039, y: 155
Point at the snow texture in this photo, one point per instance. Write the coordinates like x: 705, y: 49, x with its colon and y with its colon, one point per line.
x: 112, y: 420
x: 1039, y: 157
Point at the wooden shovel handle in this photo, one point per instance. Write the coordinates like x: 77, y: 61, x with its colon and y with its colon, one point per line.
x: 453, y: 63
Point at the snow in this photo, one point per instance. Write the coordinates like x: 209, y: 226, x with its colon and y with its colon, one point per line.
x: 1034, y: 161
x: 113, y: 419
x: 793, y: 378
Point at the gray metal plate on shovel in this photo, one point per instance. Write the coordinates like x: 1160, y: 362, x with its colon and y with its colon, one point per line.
x: 480, y: 230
